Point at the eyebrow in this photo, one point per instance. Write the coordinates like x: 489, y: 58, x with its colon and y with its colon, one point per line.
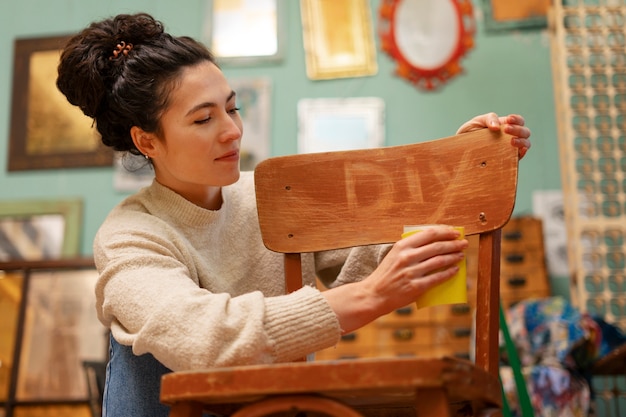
x: 209, y: 104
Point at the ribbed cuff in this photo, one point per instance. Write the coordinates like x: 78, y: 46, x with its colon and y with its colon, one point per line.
x: 300, y: 323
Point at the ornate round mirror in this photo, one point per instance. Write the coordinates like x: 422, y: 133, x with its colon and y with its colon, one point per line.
x: 427, y: 38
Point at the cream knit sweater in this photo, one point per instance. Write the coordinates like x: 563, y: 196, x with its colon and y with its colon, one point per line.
x: 196, y: 288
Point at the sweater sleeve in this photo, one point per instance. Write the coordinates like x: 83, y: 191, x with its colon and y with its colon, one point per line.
x: 148, y: 295
x: 334, y: 268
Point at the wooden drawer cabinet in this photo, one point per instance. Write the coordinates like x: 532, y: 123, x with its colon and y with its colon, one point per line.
x: 523, y: 272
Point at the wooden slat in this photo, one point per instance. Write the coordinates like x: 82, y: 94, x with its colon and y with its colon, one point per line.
x: 428, y: 182
x: 365, y: 382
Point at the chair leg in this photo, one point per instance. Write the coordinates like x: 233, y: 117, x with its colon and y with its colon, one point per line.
x: 186, y: 409
x: 297, y: 404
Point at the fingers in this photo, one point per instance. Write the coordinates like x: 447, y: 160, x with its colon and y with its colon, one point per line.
x: 513, y: 124
x: 415, y: 264
x: 487, y: 120
x: 431, y: 249
x: 515, y: 127
x: 425, y: 282
x: 514, y: 119
x: 439, y: 266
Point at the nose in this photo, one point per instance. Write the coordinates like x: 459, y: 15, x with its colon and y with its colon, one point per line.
x: 232, y: 128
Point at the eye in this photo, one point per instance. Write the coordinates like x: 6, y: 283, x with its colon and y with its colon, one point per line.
x: 203, y: 121
x: 234, y: 110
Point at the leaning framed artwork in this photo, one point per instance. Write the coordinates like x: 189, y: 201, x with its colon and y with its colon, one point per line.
x: 52, y: 339
x: 61, y: 331
x: 46, y: 130
x: 39, y: 229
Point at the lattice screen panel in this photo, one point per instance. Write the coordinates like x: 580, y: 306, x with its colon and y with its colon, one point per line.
x: 588, y: 45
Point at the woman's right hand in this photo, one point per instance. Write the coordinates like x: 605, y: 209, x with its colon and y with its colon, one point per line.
x: 412, y: 266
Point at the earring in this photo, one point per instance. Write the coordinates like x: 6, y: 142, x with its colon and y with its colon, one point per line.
x: 146, y: 156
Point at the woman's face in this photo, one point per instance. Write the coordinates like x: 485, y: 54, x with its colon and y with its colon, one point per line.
x: 201, y: 134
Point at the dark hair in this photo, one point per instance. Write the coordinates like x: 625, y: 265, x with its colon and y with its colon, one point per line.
x: 121, y: 90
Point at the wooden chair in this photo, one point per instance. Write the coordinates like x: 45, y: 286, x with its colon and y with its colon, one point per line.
x: 316, y: 202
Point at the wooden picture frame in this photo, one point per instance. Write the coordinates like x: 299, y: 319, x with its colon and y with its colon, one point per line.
x: 509, y: 15
x: 46, y: 130
x: 36, y: 218
x: 338, y: 39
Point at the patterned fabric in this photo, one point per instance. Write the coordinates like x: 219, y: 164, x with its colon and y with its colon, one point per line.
x: 553, y: 391
x: 556, y: 345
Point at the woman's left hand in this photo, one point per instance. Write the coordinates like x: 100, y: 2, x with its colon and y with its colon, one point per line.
x: 513, y: 124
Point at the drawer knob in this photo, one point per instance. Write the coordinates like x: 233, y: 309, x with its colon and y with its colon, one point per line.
x: 404, y: 311
x: 514, y: 258
x: 512, y: 235
x: 517, y: 281
x: 460, y: 309
x: 403, y: 334
x: 462, y: 332
x: 350, y: 337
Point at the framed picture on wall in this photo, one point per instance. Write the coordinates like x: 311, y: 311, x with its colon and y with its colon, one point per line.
x: 338, y: 39
x: 339, y: 124
x: 254, y: 102
x: 508, y: 15
x: 245, y: 32
x: 39, y: 229
x: 46, y: 130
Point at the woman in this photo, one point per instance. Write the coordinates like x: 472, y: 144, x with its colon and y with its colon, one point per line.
x: 185, y: 281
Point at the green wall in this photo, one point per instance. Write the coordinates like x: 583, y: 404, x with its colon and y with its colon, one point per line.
x: 506, y: 73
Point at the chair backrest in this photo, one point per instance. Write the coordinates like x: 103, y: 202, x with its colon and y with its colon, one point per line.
x: 322, y: 201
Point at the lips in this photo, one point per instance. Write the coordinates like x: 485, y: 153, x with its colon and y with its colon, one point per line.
x: 228, y: 156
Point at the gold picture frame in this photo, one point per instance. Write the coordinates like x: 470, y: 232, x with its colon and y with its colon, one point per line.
x: 46, y: 130
x: 338, y: 39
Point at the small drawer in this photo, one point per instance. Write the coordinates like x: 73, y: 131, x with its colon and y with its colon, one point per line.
x: 365, y: 336
x: 451, y: 314
x: 405, y: 335
x: 522, y: 233
x: 454, y: 334
x: 524, y: 281
x: 460, y: 350
x: 528, y: 260
x: 424, y: 335
x: 406, y: 316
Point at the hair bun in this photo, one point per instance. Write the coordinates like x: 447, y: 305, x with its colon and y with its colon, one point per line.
x: 85, y: 69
